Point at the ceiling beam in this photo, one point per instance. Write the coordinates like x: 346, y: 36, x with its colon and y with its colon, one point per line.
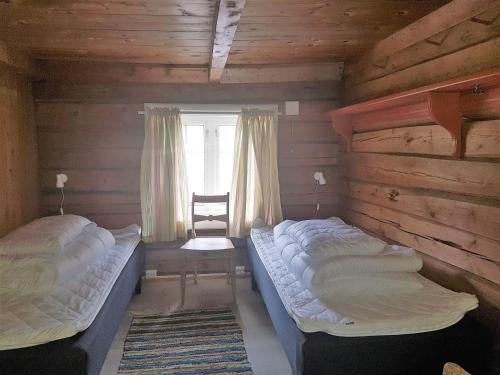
x: 228, y: 17
x: 449, y: 15
x: 85, y: 71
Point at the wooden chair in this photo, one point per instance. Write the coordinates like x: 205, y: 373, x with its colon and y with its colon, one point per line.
x: 208, y: 248
x: 454, y: 369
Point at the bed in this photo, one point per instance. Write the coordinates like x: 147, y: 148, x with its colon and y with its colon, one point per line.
x: 81, y: 346
x: 317, y: 352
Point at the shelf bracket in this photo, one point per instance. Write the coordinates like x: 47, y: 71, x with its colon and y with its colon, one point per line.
x: 342, y: 125
x: 444, y: 109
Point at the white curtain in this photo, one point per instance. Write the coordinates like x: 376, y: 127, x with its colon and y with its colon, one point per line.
x: 255, y: 191
x: 163, y: 177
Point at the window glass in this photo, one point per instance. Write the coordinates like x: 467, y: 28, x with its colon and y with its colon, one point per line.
x: 226, y: 157
x: 195, y: 156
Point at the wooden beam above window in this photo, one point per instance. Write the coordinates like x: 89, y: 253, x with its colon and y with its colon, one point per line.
x: 85, y: 71
x: 228, y: 17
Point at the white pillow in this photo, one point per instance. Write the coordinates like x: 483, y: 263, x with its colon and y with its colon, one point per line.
x: 47, y: 235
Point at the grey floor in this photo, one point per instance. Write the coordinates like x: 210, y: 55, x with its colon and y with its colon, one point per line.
x: 163, y: 295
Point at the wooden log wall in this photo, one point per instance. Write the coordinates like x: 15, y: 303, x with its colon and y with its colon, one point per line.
x: 445, y: 50
x: 92, y: 133
x: 401, y: 182
x: 18, y: 152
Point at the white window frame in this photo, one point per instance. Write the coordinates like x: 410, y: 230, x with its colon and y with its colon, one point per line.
x: 211, y: 126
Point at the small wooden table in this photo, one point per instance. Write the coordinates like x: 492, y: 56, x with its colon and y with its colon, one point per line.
x: 208, y: 248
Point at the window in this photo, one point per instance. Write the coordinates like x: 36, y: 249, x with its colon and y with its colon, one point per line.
x: 209, y: 141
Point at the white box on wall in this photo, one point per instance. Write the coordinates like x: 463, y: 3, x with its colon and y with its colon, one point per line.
x: 292, y: 108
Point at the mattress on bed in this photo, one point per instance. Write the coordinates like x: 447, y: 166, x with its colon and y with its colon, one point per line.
x: 69, y: 308
x: 429, y: 308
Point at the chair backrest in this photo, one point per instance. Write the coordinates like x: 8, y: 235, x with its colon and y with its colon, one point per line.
x: 454, y: 369
x: 209, y: 199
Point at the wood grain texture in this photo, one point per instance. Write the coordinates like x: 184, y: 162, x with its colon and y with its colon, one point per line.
x: 97, y: 142
x: 482, y: 139
x: 476, y: 216
x: 180, y: 32
x: 17, y: 60
x: 105, y: 72
x: 132, y: 93
x: 444, y: 18
x: 473, y: 31
x: 470, y: 60
x: 226, y: 23
x: 18, y: 153
x: 476, y: 178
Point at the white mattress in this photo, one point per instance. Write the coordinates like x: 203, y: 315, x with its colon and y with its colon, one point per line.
x: 429, y: 308
x: 69, y: 308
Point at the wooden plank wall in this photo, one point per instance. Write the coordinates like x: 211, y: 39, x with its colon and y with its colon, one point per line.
x: 402, y: 184
x: 18, y: 154
x: 92, y: 133
x: 467, y: 47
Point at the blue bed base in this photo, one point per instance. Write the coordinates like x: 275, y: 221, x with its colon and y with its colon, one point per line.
x: 318, y: 353
x: 84, y: 353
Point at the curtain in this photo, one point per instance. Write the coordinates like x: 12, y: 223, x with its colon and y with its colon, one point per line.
x: 255, y: 191
x: 163, y: 177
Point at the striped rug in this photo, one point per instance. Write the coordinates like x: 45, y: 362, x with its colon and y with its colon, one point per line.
x: 185, y: 343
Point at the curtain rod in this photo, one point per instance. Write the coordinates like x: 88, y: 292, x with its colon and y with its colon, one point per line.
x: 203, y: 112
x: 217, y: 109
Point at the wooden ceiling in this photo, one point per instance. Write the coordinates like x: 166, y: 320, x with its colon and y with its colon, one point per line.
x: 181, y: 32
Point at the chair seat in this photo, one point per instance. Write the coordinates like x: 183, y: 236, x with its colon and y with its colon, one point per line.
x: 208, y: 244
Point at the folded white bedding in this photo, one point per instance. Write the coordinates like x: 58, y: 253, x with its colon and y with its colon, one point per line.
x: 70, y: 307
x: 47, y: 235
x: 418, y: 306
x: 28, y: 275
x: 371, y: 283
x: 329, y: 254
x: 326, y: 238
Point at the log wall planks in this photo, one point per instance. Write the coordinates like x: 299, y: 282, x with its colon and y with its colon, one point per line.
x: 94, y: 135
x: 18, y: 152
x: 401, y: 182
x: 452, y: 50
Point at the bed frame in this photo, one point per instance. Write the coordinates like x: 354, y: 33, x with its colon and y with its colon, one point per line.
x: 319, y: 353
x: 84, y: 353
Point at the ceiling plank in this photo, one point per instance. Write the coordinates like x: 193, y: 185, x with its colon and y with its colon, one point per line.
x: 228, y: 16
x: 441, y: 19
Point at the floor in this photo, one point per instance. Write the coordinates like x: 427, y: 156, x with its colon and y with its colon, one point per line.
x: 163, y: 295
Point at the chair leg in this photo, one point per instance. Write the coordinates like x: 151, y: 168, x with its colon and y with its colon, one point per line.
x: 195, y: 271
x: 183, y: 279
x: 233, y: 276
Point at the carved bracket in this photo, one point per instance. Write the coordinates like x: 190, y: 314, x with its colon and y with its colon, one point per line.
x: 342, y: 125
x: 444, y: 109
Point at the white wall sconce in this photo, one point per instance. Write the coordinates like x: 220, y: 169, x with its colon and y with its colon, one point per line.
x: 61, y: 179
x: 319, y: 178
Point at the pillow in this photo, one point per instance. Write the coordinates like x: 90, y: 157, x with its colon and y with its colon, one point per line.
x: 47, y: 235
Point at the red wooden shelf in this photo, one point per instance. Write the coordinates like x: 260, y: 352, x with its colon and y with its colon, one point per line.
x: 445, y: 103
